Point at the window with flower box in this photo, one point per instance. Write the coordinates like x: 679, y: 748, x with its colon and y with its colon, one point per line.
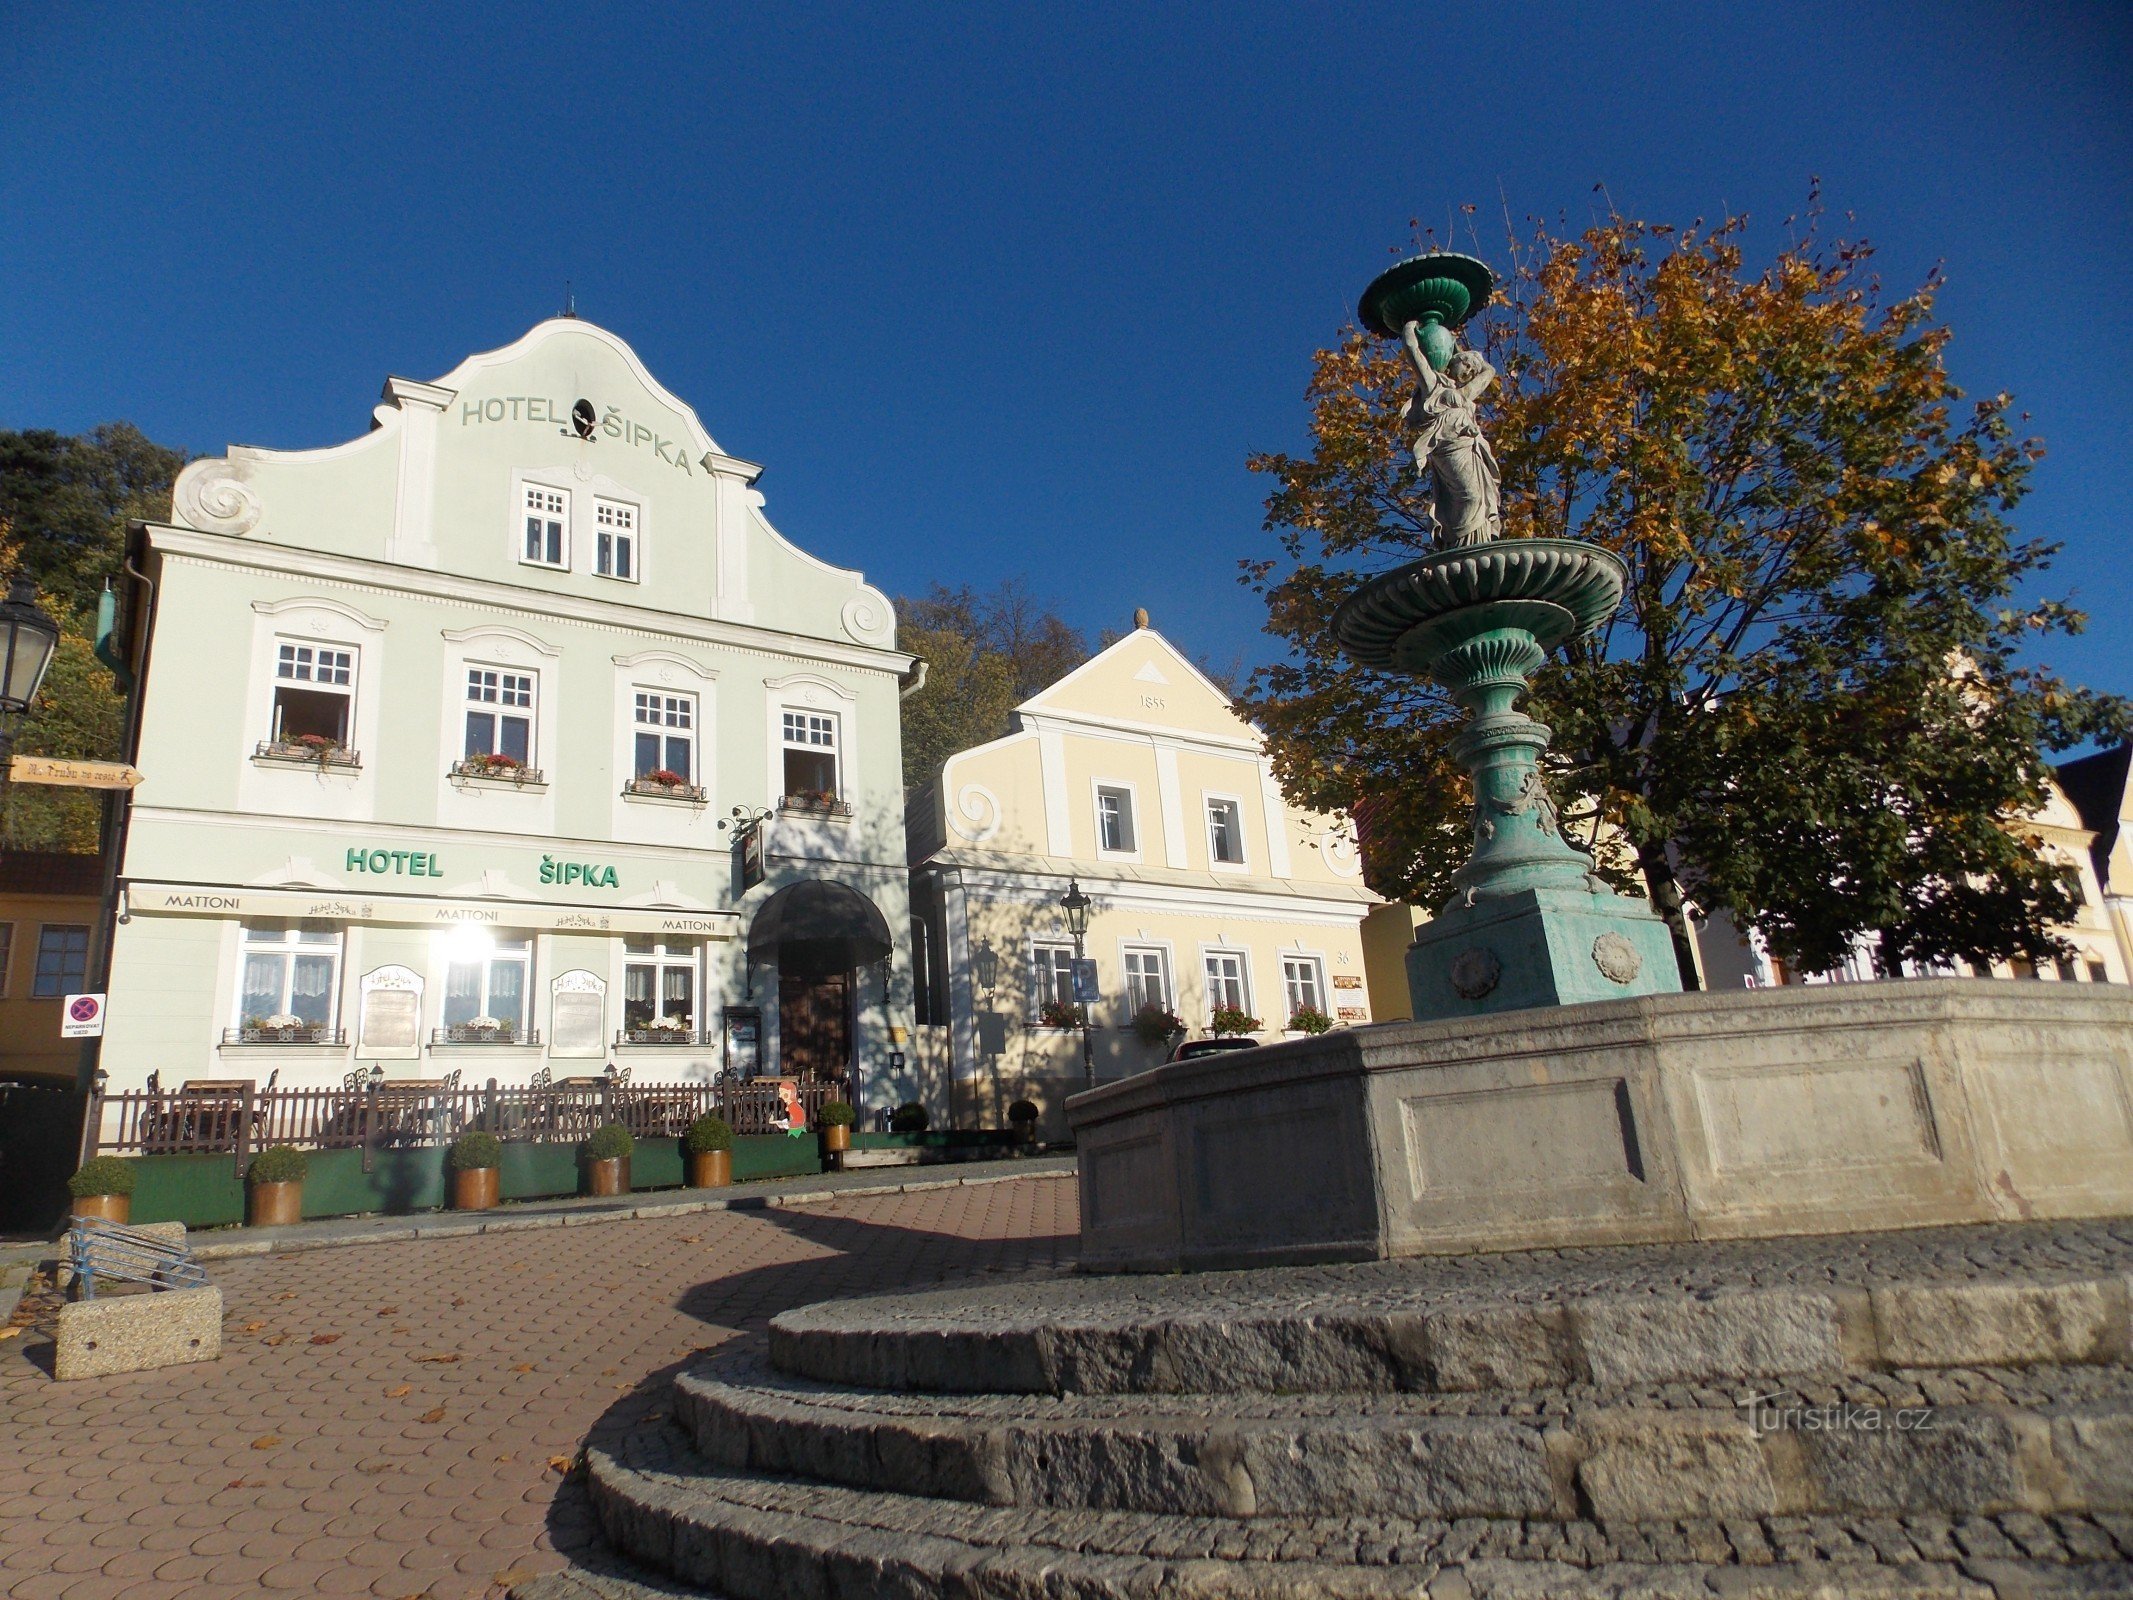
x: 811, y: 777
x: 1052, y: 986
x: 488, y: 983
x: 1303, y: 983
x: 664, y: 728
x: 288, y: 984
x: 313, y: 715
x: 499, y: 726
x: 659, y: 992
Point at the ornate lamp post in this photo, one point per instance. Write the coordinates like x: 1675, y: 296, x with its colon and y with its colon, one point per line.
x: 27, y: 640
x: 988, y: 967
x: 1075, y: 906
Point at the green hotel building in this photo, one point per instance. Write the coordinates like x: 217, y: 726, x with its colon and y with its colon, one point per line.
x: 507, y: 736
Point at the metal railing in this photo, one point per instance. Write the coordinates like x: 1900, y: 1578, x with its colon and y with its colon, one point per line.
x: 687, y: 1036
x: 239, y: 1119
x: 97, y: 1248
x: 507, y: 1033
x: 303, y: 1033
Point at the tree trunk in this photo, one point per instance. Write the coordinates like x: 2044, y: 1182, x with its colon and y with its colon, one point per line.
x: 1665, y: 890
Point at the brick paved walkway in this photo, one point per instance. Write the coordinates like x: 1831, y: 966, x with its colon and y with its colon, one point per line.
x: 390, y: 1419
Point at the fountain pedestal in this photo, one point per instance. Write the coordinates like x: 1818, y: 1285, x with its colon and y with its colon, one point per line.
x: 1530, y: 924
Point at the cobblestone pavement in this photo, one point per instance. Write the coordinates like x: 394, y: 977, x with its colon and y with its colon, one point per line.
x: 404, y: 1419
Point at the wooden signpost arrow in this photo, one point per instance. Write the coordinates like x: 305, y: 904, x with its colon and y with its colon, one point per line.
x: 73, y: 774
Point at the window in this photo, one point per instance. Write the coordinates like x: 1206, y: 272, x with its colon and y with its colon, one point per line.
x: 314, y: 693
x: 615, y: 552
x: 2068, y: 972
x: 1225, y: 832
x: 1225, y: 982
x: 1147, y: 978
x: 500, y: 714
x: 62, y: 959
x: 659, y: 988
x: 547, y: 519
x: 289, y: 971
x: 810, y: 754
x: 2098, y: 972
x: 488, y: 977
x: 666, y: 735
x: 1303, y: 985
x: 1114, y: 820
x: 1053, y: 977
x: 7, y: 954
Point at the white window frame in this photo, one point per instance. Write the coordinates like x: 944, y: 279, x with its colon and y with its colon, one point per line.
x: 7, y: 957
x: 1100, y: 787
x: 516, y: 939
x: 1045, y: 962
x: 1208, y: 954
x: 37, y: 989
x: 662, y: 957
x: 499, y: 707
x: 1316, y: 965
x: 526, y: 510
x: 1208, y: 801
x: 1130, y: 950
x: 303, y: 657
x: 609, y: 536
x: 807, y: 716
x: 664, y: 701
x: 288, y: 946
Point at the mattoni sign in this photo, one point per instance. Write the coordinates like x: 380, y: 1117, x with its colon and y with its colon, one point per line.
x: 201, y: 900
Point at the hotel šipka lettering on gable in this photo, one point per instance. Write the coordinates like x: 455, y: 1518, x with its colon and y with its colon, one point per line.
x: 457, y: 709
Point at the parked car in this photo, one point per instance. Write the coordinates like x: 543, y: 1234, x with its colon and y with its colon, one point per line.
x: 1210, y: 1047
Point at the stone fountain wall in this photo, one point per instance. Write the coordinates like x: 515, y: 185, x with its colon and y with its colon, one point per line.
x: 1666, y: 1117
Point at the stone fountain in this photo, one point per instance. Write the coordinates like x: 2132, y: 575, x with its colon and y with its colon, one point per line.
x: 1530, y: 923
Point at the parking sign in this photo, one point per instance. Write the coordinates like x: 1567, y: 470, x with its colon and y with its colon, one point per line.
x: 82, y: 1017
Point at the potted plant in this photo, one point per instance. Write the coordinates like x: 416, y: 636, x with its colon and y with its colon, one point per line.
x: 274, y: 1187
x: 708, y: 1150
x: 1022, y: 1118
x: 1229, y: 1020
x: 910, y: 1117
x: 607, y: 1160
x: 474, y: 1159
x: 836, y: 1117
x: 320, y: 747
x: 1156, y: 1023
x: 103, y: 1187
x: 1309, y: 1019
x: 1060, y: 1014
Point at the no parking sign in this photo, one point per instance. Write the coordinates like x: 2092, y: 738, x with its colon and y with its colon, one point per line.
x: 82, y: 1017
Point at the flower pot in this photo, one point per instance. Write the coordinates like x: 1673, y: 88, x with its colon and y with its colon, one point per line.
x: 611, y: 1176
x: 474, y: 1189
x: 274, y: 1205
x: 111, y: 1207
x: 1025, y: 1132
x: 710, y: 1169
x: 836, y: 1137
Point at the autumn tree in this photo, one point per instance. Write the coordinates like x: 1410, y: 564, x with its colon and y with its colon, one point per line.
x: 985, y: 654
x: 65, y: 501
x: 1814, y: 708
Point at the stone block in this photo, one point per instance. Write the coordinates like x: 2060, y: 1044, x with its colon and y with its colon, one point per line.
x: 2000, y: 1324
x: 1663, y: 1465
x: 2094, y: 1455
x: 137, y: 1332
x: 1641, y: 1339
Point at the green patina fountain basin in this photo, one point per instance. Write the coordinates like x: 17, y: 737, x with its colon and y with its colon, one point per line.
x: 1408, y: 619
x: 1440, y: 291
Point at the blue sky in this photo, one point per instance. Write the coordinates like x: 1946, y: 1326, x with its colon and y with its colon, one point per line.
x: 999, y: 291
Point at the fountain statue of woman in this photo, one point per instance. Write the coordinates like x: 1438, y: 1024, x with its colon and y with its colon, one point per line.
x: 1449, y: 444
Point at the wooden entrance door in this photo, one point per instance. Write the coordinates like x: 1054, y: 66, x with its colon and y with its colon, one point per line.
x: 815, y: 1025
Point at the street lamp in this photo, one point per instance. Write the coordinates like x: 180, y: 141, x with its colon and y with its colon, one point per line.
x: 988, y: 963
x: 1075, y: 905
x: 27, y: 639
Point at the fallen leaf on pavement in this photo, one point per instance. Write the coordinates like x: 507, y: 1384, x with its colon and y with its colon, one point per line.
x: 266, y: 1442
x: 394, y: 1394
x: 325, y: 1338
x: 609, y: 1372
x: 388, y: 1311
x: 274, y: 1338
x: 442, y: 1356
x: 458, y: 1300
x: 692, y: 1238
x: 512, y: 1576
x: 251, y: 1327
x: 560, y: 1464
x: 436, y: 1415
x: 523, y: 1366
x: 9, y: 1333
x: 291, y: 1295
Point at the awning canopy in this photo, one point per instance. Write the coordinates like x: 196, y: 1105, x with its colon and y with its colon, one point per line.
x: 816, y: 926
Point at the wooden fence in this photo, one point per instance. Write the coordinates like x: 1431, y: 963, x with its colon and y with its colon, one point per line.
x: 238, y: 1118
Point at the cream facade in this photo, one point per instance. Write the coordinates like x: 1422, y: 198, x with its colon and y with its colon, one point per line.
x: 1133, y: 777
x: 456, y: 736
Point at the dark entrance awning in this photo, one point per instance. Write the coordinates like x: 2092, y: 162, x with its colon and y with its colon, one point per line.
x: 818, y: 926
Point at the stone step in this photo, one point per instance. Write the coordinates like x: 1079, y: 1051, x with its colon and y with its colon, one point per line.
x: 2007, y: 1295
x: 754, y: 1537
x: 2054, y: 1439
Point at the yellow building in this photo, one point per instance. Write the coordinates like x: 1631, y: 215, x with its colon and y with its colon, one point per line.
x: 1133, y: 777
x: 51, y: 911
x: 2096, y: 787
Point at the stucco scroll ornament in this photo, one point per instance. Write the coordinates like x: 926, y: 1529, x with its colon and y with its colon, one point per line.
x: 1616, y: 958
x: 976, y: 814
x: 1465, y: 502
x: 867, y: 618
x: 1338, y: 847
x: 225, y: 504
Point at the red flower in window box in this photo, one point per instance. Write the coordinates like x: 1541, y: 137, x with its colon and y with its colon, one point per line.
x: 663, y: 775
